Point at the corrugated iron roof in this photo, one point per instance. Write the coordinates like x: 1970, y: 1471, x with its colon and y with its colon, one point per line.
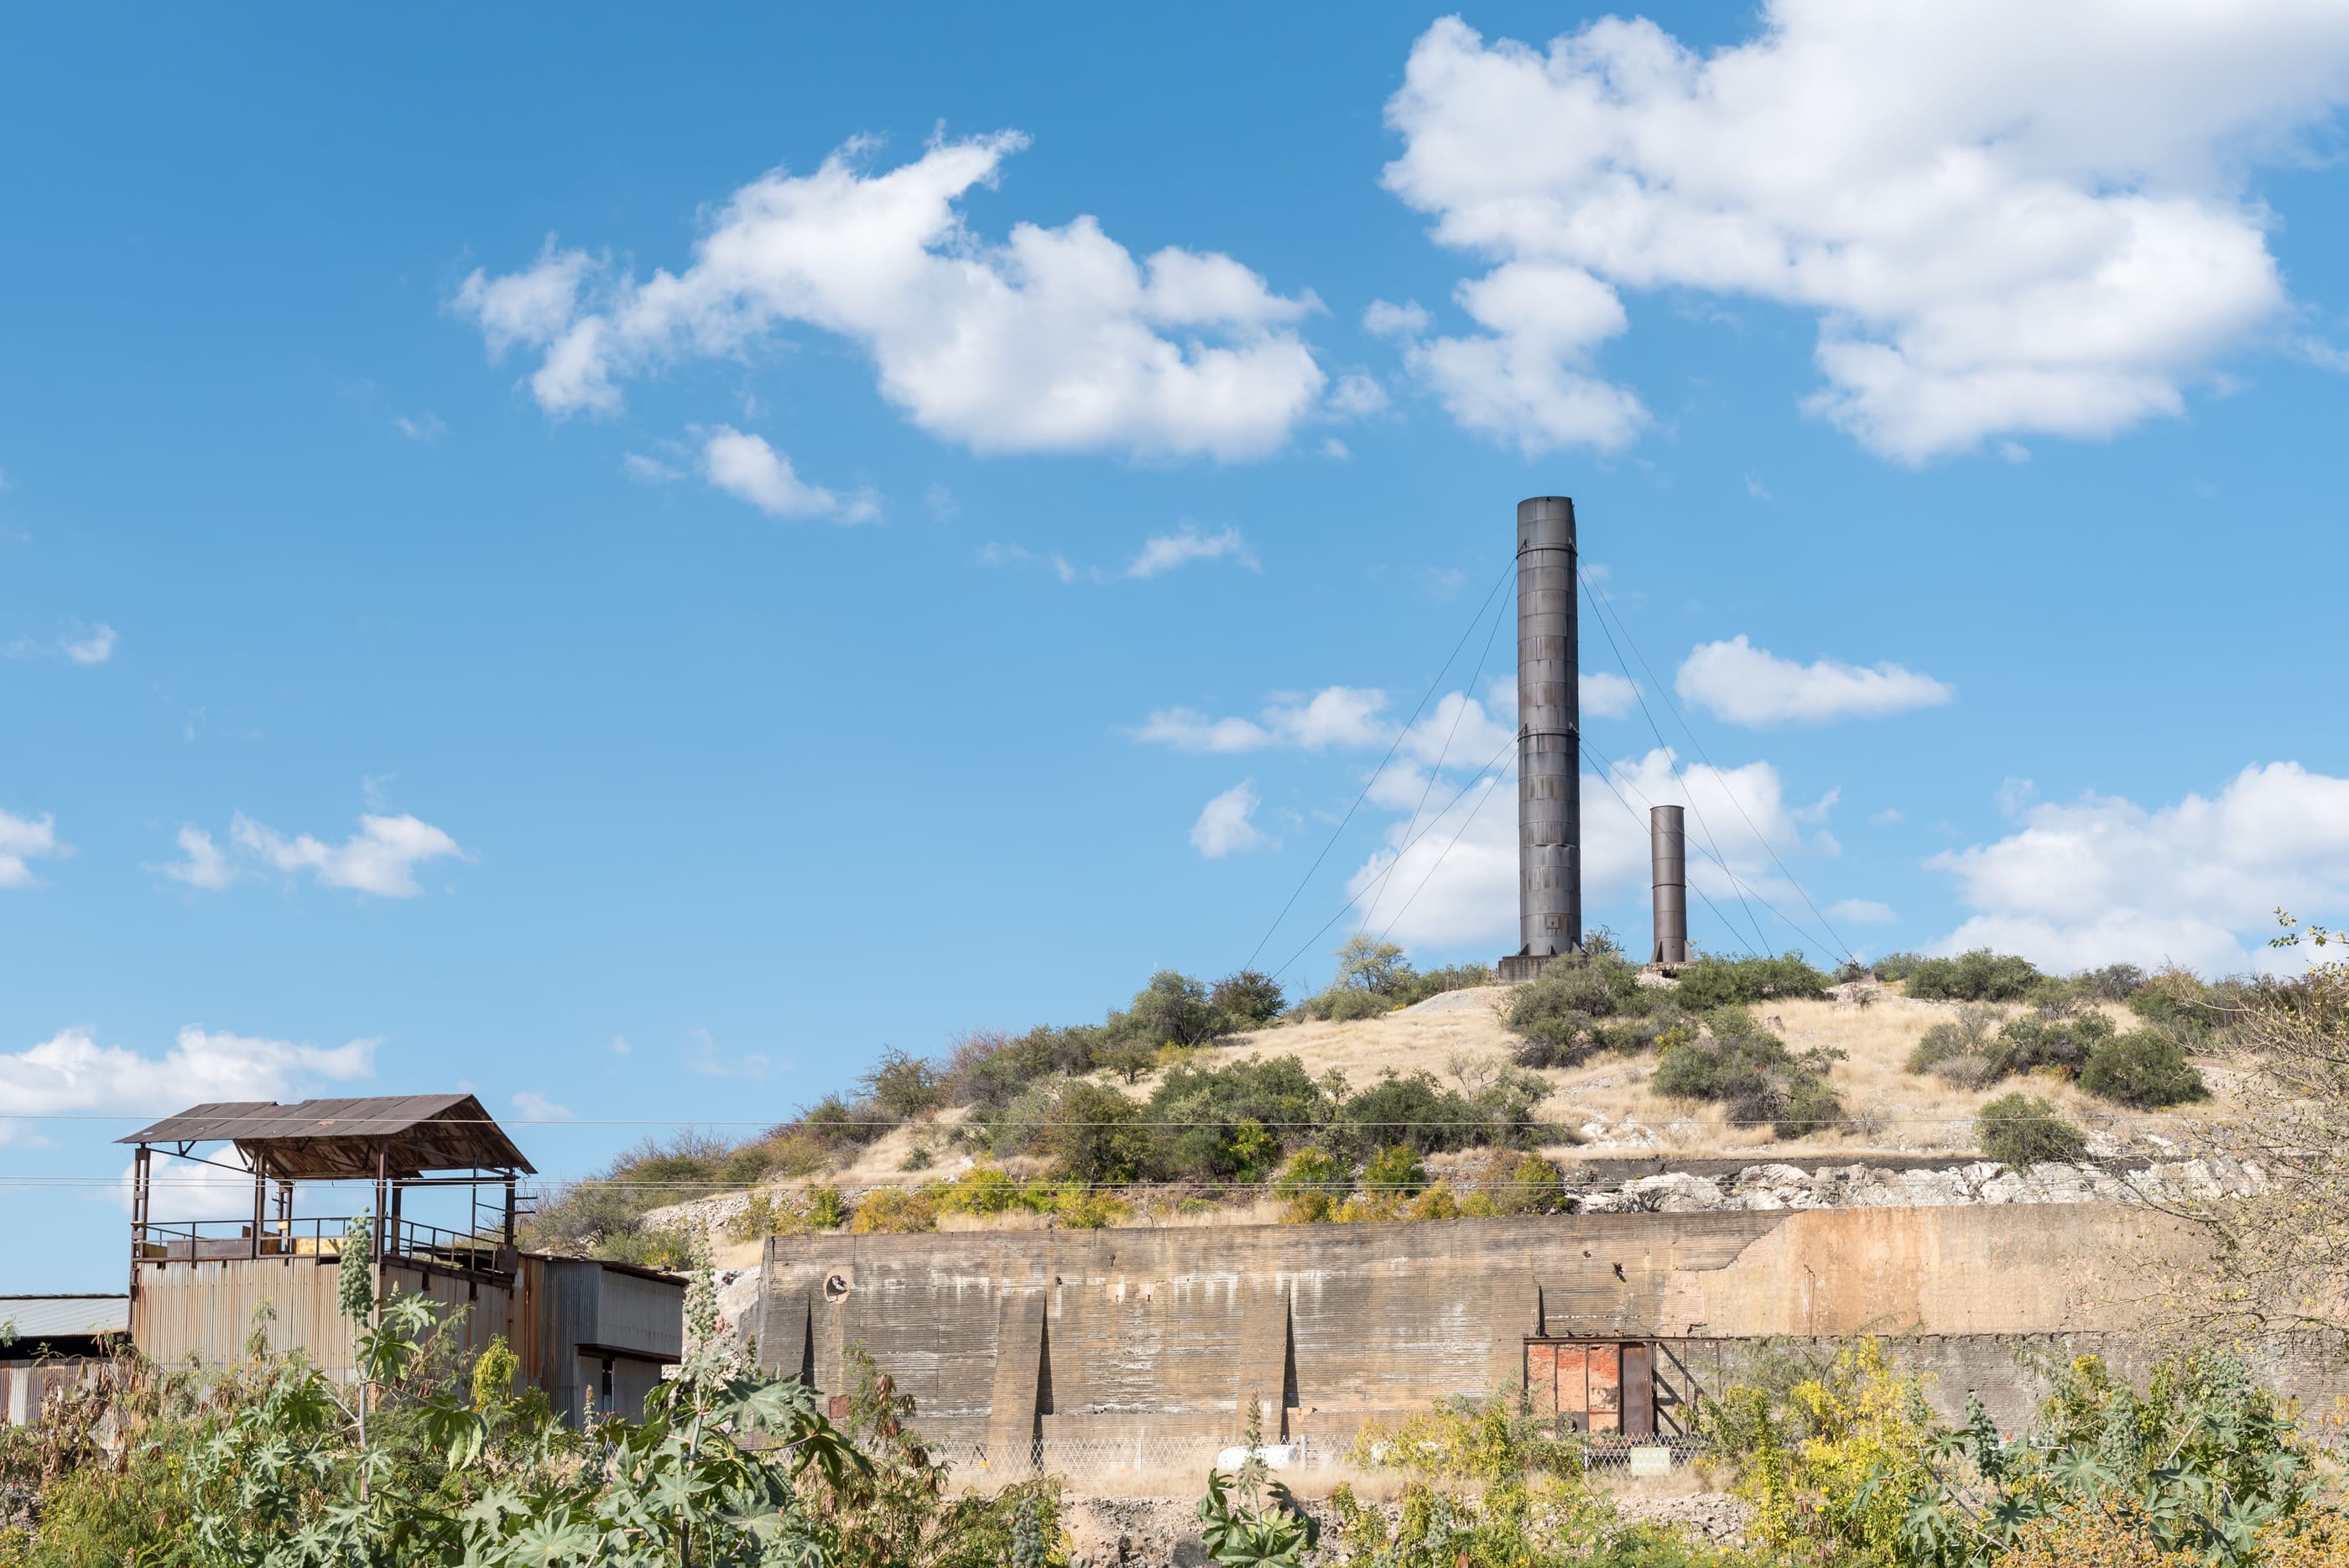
x: 57, y: 1317
x: 320, y: 1139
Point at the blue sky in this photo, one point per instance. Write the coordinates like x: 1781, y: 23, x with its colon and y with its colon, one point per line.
x: 515, y: 570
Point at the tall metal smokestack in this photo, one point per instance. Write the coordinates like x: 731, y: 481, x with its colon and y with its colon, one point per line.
x: 1549, y: 741
x: 1668, y: 861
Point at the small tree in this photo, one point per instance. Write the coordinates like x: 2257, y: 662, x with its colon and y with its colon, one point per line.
x: 1366, y: 963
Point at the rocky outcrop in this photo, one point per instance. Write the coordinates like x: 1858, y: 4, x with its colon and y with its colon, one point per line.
x: 1781, y: 1186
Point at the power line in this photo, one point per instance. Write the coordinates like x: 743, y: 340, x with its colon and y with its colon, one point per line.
x: 1711, y: 844
x: 1400, y: 851
x: 1609, y: 609
x: 1381, y: 768
x: 1604, y: 771
x: 1482, y: 659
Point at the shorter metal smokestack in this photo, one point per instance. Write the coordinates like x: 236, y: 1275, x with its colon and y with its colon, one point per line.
x: 1668, y: 862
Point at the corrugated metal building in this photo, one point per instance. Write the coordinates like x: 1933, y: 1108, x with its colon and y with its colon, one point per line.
x: 593, y: 1335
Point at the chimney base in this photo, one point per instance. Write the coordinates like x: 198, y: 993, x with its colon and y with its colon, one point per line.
x: 1518, y: 968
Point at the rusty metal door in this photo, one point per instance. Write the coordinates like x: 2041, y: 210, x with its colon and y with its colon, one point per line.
x: 1638, y: 1391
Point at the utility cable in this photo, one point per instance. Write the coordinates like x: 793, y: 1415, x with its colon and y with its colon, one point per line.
x: 1607, y: 608
x: 1589, y: 593
x: 1381, y: 768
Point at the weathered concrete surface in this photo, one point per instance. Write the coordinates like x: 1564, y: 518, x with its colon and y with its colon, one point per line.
x: 1112, y: 1334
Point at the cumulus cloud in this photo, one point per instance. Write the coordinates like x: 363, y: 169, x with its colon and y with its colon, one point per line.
x: 746, y: 467
x: 71, y: 1073
x: 1605, y: 696
x: 91, y: 645
x: 1333, y: 716
x: 205, y: 865
x: 1165, y: 552
x: 1862, y: 912
x: 2008, y: 218
x: 2102, y: 879
x: 1748, y: 685
x: 1226, y: 826
x: 1055, y: 339
x: 537, y: 1107
x: 24, y: 839
x: 1449, y: 879
x: 380, y: 858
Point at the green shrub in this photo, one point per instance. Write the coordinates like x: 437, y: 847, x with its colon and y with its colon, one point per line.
x: 1436, y: 982
x: 1248, y: 998
x: 894, y: 1210
x: 1365, y: 963
x: 2023, y: 1130
x: 1979, y: 975
x: 2143, y: 1069
x: 1172, y: 1009
x: 2177, y: 1002
x: 1196, y: 1116
x: 1394, y: 1170
x: 1580, y: 1003
x: 2050, y: 1039
x: 1959, y: 1049
x: 1311, y: 1184
x: 1347, y: 1004
x: 1754, y: 1079
x: 1094, y: 1134
x: 1712, y: 982
x: 1419, y: 1112
x: 1893, y: 967
x: 904, y: 1086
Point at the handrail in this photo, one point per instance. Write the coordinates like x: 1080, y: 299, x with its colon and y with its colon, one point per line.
x: 173, y: 1240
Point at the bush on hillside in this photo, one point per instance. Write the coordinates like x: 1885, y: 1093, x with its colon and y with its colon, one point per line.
x: 1712, y: 982
x: 1309, y: 1187
x: 904, y: 1086
x: 1754, y: 1079
x: 1201, y: 1118
x: 2112, y: 982
x: 1094, y: 1134
x: 2023, y: 1130
x: 1584, y: 1003
x: 1375, y: 977
x: 2052, y: 1037
x: 893, y: 1210
x: 1249, y: 999
x: 1959, y: 1049
x: 2176, y: 1001
x: 1417, y: 1110
x: 1894, y: 968
x: 1979, y: 975
x: 1347, y: 1004
x: 2145, y: 1070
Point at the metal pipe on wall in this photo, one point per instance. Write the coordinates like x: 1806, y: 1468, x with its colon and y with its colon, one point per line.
x: 1549, y: 740
x: 1667, y: 876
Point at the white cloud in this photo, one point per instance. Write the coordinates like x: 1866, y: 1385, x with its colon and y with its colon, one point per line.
x: 1333, y: 716
x: 1165, y: 552
x: 94, y: 646
x: 71, y: 1074
x: 1404, y: 321
x: 24, y: 839
x: 1335, y: 449
x: 1357, y: 396
x: 1056, y: 339
x: 703, y: 1058
x: 620, y: 1047
x: 647, y: 470
x: 207, y: 866
x: 380, y: 858
x: 2102, y: 881
x: 426, y: 427
x: 537, y: 1107
x: 2008, y: 218
x: 1747, y: 685
x: 746, y: 467
x: 1225, y: 824
x: 1469, y: 895
x: 1607, y: 696
x: 941, y: 503
x: 1862, y: 912
x: 993, y: 554
x: 1888, y: 817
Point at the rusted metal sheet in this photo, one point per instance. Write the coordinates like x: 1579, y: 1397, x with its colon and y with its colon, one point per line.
x: 325, y: 1139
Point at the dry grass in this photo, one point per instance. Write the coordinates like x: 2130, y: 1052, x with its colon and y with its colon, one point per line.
x: 1605, y: 1106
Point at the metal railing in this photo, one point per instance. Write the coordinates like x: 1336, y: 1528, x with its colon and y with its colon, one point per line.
x: 1108, y: 1459
x: 181, y: 1241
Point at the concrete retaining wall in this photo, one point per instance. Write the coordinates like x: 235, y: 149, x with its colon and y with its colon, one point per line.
x: 1010, y: 1335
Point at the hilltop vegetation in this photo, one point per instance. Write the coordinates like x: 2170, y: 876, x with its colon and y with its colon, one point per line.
x: 1195, y: 1096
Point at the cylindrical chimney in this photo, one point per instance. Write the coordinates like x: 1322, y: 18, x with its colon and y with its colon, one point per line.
x: 1549, y: 741
x: 1668, y: 862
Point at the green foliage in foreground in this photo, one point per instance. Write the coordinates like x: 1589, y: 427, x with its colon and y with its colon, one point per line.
x: 1848, y: 1464
x: 2023, y: 1130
